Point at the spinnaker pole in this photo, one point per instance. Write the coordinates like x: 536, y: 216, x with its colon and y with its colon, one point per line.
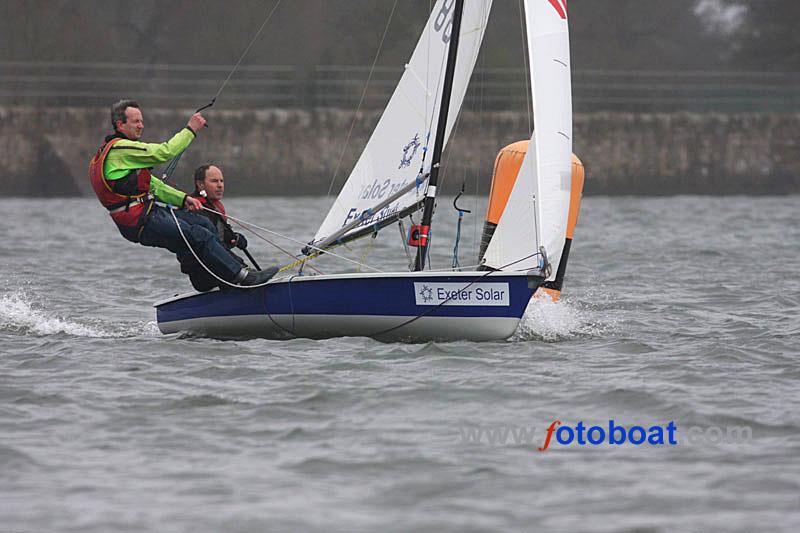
x: 430, y: 194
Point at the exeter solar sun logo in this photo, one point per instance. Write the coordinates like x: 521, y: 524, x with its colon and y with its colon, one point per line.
x: 412, y: 146
x: 560, y: 6
x: 426, y: 293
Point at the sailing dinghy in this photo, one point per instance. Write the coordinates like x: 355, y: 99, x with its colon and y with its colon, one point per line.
x: 527, y: 241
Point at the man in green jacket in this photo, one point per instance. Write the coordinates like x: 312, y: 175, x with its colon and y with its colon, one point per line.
x: 121, y: 178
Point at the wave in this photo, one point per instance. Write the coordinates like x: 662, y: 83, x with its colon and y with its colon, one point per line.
x: 553, y: 321
x: 18, y: 314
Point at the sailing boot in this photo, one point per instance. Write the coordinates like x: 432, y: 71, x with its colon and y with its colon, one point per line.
x: 258, y: 277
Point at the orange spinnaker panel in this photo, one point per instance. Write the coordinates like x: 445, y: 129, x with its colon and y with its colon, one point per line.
x: 506, y: 167
x: 575, y: 194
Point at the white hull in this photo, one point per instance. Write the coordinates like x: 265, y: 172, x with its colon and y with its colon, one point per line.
x: 282, y: 327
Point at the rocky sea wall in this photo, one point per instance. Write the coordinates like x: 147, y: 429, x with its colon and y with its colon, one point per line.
x: 45, y: 151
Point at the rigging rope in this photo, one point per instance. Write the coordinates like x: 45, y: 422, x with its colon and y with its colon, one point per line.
x: 525, y: 61
x: 185, y: 240
x: 452, y: 295
x: 404, y: 239
x: 361, y: 100
x: 368, y: 249
x: 275, y: 233
x: 236, y: 66
x: 481, y: 114
x: 458, y: 229
x: 246, y: 225
x: 173, y: 164
x: 285, y: 251
x: 456, y: 265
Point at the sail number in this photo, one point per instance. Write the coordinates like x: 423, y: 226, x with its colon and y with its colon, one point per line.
x: 444, y: 19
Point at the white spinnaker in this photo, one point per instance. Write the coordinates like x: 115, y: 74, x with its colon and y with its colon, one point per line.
x: 407, y: 129
x: 537, y: 210
x: 514, y: 242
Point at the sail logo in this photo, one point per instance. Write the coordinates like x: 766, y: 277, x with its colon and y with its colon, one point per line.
x: 560, y: 6
x: 412, y: 146
x: 465, y: 293
x: 377, y: 189
x: 368, y: 218
x: 444, y: 19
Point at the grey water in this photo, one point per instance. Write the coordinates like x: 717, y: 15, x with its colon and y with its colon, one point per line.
x: 681, y: 309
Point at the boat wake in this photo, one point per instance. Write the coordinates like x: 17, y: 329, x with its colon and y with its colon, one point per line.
x: 549, y: 321
x: 18, y: 314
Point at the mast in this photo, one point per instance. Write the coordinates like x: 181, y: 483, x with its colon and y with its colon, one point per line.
x: 430, y: 195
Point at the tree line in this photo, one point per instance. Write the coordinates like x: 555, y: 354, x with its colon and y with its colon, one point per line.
x: 606, y: 34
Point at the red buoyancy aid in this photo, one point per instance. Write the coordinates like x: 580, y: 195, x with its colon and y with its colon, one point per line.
x: 220, y: 220
x: 216, y: 205
x: 132, y: 217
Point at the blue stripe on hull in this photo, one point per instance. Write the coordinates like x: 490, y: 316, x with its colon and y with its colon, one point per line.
x: 369, y: 295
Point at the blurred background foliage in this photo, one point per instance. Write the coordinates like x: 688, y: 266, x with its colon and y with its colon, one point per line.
x: 606, y: 34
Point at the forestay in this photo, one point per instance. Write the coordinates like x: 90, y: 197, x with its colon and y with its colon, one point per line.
x: 395, y: 152
x: 537, y: 209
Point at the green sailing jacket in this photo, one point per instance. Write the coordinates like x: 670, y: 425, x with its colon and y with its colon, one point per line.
x: 127, y: 155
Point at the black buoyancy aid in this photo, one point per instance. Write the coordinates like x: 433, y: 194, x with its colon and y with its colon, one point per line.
x: 133, y: 217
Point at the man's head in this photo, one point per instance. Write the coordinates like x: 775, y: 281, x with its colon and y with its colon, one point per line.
x: 126, y: 118
x: 209, y: 178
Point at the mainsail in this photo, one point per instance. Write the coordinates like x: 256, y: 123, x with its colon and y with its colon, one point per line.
x: 535, y: 216
x: 393, y: 162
